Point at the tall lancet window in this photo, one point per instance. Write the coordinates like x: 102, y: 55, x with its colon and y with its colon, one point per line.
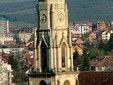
x: 43, y: 57
x: 63, y: 49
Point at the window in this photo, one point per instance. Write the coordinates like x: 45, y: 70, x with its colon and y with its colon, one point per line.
x: 63, y: 49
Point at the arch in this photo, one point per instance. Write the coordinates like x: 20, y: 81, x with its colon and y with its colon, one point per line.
x: 42, y: 83
x: 63, y: 54
x: 43, y: 57
x: 66, y: 83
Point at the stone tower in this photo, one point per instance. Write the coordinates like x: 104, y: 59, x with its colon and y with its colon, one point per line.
x: 53, y: 58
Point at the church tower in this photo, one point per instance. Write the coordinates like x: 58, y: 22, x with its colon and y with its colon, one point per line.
x: 53, y: 58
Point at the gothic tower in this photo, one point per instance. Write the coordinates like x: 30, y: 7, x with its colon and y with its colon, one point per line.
x: 53, y: 58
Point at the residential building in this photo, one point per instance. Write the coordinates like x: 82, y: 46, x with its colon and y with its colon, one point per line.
x: 13, y: 50
x: 105, y: 35
x: 78, y: 48
x: 92, y: 37
x: 101, y: 64
x: 111, y: 31
x: 79, y: 42
x: 9, y: 42
x: 101, y: 26
x: 82, y: 27
x: 25, y: 37
x: 5, y: 38
x: 5, y: 73
x: 74, y: 34
x: 4, y: 27
x: 26, y: 30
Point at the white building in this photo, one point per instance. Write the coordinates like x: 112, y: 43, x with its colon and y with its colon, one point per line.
x: 25, y: 37
x: 5, y: 73
x: 105, y: 35
x: 4, y: 38
x: 82, y: 27
x: 4, y: 27
x: 13, y: 50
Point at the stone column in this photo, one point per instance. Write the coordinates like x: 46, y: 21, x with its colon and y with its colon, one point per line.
x: 39, y: 59
x: 51, y: 59
x: 66, y: 16
x: 71, y: 56
x: 54, y: 58
x: 53, y: 17
x: 35, y: 50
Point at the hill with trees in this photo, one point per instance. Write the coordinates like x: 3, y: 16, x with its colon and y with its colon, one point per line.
x: 22, y: 12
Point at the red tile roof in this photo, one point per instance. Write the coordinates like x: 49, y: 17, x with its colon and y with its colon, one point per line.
x: 102, y: 62
x: 95, y: 78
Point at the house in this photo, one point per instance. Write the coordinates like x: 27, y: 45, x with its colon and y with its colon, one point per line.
x: 92, y: 37
x: 9, y: 42
x: 79, y: 41
x: 29, y: 46
x: 5, y: 38
x: 74, y: 33
x: 101, y: 26
x: 26, y: 61
x: 101, y: 64
x: 13, y: 50
x: 25, y: 37
x: 105, y: 35
x: 111, y: 31
x: 78, y: 48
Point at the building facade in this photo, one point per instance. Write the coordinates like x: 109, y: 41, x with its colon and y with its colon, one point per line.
x: 105, y: 35
x: 25, y: 37
x: 100, y: 26
x: 4, y: 27
x: 13, y: 50
x: 5, y: 73
x: 5, y: 38
x: 53, y: 58
x: 82, y: 27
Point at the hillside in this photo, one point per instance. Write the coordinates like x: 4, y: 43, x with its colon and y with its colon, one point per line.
x: 89, y: 10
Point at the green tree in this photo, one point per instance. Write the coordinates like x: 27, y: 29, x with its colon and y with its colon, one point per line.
x: 102, y: 45
x: 86, y: 63
x: 86, y: 43
x: 76, y: 59
x: 92, y: 54
x: 110, y: 43
x: 75, y: 54
x: 18, y: 40
x: 13, y: 62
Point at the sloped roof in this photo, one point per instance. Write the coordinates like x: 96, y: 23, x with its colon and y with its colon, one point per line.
x: 95, y: 78
x: 102, y: 62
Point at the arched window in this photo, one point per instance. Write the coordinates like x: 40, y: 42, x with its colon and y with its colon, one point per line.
x: 63, y: 50
x: 43, y: 57
x: 42, y: 83
x: 66, y: 83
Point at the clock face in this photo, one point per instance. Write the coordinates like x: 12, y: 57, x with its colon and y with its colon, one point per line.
x: 61, y: 17
x: 43, y: 18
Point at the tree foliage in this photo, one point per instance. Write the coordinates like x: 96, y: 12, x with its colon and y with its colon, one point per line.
x: 110, y: 43
x: 13, y: 62
x: 86, y: 63
x: 102, y: 45
x: 75, y: 54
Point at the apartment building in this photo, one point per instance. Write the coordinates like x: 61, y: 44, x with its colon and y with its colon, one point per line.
x: 4, y: 27
x: 5, y: 73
